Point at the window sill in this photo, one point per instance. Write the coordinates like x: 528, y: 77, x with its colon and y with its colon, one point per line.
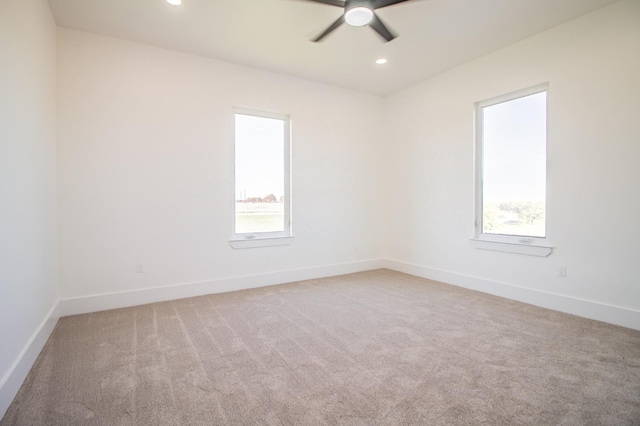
x: 246, y: 243
x: 531, y: 249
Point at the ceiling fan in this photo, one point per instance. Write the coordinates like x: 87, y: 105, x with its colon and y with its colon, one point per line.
x: 359, y: 13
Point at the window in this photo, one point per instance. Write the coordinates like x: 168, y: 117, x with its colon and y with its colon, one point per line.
x: 511, y: 158
x: 262, y: 179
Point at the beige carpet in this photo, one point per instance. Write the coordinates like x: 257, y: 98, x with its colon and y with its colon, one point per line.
x: 363, y: 349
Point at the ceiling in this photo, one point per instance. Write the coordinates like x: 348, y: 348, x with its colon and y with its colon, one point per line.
x: 273, y: 35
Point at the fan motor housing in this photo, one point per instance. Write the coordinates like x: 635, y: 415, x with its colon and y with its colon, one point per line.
x: 350, y: 4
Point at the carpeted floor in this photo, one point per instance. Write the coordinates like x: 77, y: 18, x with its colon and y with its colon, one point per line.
x: 370, y: 348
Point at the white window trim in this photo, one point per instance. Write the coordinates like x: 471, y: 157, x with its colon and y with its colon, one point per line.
x: 261, y: 242
x: 265, y: 239
x: 533, y: 246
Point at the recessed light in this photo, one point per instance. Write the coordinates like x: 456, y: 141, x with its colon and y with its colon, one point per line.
x: 381, y: 61
x: 358, y: 16
x: 175, y: 2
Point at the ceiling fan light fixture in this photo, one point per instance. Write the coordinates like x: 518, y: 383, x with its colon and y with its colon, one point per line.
x: 358, y: 16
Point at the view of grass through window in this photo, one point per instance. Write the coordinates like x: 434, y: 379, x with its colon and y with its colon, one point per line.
x: 259, y: 174
x: 514, y: 166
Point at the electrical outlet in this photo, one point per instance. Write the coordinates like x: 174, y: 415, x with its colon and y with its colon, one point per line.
x: 562, y: 271
x: 139, y: 269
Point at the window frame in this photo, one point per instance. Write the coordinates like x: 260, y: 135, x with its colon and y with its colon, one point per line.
x: 535, y: 246
x: 274, y: 238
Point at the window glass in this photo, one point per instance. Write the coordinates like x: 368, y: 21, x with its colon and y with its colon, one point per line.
x: 513, y: 165
x: 261, y: 174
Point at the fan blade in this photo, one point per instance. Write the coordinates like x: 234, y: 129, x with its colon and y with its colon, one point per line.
x: 339, y: 3
x: 332, y: 27
x: 377, y: 4
x: 381, y: 28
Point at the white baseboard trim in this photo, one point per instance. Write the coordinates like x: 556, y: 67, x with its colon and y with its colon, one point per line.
x: 584, y: 308
x: 101, y: 302
x: 13, y: 379
x: 581, y: 307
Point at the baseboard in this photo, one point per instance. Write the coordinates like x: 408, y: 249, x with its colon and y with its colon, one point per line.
x: 101, y: 302
x: 13, y: 379
x: 584, y: 308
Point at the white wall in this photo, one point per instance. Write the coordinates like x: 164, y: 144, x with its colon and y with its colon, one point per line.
x: 28, y: 289
x: 592, y: 65
x: 145, y: 167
